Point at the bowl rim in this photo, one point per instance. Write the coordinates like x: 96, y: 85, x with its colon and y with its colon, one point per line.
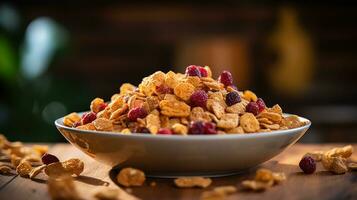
x: 59, y: 124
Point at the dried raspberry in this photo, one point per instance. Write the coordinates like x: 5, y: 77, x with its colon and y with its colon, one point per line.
x: 226, y: 78
x: 164, y: 131
x: 261, y: 104
x: 135, y: 113
x: 209, y: 128
x: 49, y: 158
x: 199, y: 98
x: 102, y: 106
x: 203, y: 71
x: 307, y: 165
x: 198, y: 128
x: 88, y: 117
x: 164, y: 89
x: 232, y: 98
x: 193, y: 70
x: 252, y: 107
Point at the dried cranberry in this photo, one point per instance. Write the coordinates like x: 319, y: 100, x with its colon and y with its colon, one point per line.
x: 137, y: 112
x: 199, y: 98
x: 203, y: 72
x: 199, y: 127
x: 88, y: 117
x: 226, y: 78
x: 76, y: 124
x: 49, y: 158
x: 307, y: 165
x: 143, y: 130
x: 102, y: 106
x: 252, y: 107
x: 232, y: 98
x: 193, y: 70
x: 196, y: 128
x: 261, y: 104
x: 164, y: 89
x: 164, y: 131
x: 209, y: 128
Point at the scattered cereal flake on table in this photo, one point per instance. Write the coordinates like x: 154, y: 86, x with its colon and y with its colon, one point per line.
x: 257, y: 185
x: 37, y: 170
x: 218, y: 193
x: 62, y: 188
x: 24, y: 169
x: 131, y: 177
x: 338, y: 165
x: 186, y: 182
x: 344, y: 152
x: 5, y: 169
x: 106, y: 193
x: 249, y: 123
x: 316, y: 155
x: 74, y: 166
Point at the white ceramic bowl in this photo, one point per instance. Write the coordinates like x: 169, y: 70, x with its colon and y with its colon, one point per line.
x: 175, y: 155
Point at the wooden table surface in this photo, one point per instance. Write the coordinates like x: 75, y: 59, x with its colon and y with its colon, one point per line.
x: 320, y: 185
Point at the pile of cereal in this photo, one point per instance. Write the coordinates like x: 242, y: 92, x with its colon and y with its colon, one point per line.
x: 191, y: 103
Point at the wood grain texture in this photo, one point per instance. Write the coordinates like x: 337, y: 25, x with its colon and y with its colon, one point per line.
x: 321, y: 185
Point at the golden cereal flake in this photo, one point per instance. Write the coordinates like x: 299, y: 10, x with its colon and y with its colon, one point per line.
x: 153, y: 123
x: 102, y: 124
x: 249, y: 96
x: 316, y: 155
x: 70, y: 119
x: 209, y: 72
x: 238, y: 108
x: 276, y: 109
x: 180, y: 129
x: 264, y: 175
x: 338, y: 165
x: 218, y: 193
x: 120, y: 111
x: 228, y: 121
x: 257, y: 185
x: 89, y: 126
x: 236, y: 130
x: 344, y: 152
x: 291, y: 122
x: 37, y: 170
x: 194, y: 80
x: 24, y: 168
x: 125, y: 131
x: 173, y: 108
x: 171, y: 79
x: 352, y: 166
x: 265, y: 121
x: 149, y: 84
x: 104, y: 113
x: 153, y: 103
x: 217, y: 108
x: 198, y: 114
x: 131, y: 177
x: 5, y: 169
x: 126, y: 88
x: 184, y: 90
x: 96, y: 104
x: 186, y: 182
x: 116, y: 104
x: 271, y: 116
x: 74, y: 166
x: 249, y: 123
x: 279, y: 177
x: 270, y: 126
x: 62, y: 188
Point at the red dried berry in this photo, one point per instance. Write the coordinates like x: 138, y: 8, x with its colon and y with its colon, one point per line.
x: 164, y: 89
x: 137, y: 112
x: 102, y: 106
x: 88, y: 117
x: 261, y: 104
x: 209, y: 128
x: 76, y: 124
x: 164, y: 131
x: 252, y: 107
x: 307, y: 165
x: 49, y: 158
x: 203, y: 72
x: 193, y: 70
x: 196, y: 128
x: 232, y: 98
x: 226, y: 78
x: 199, y: 98
x: 199, y: 127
